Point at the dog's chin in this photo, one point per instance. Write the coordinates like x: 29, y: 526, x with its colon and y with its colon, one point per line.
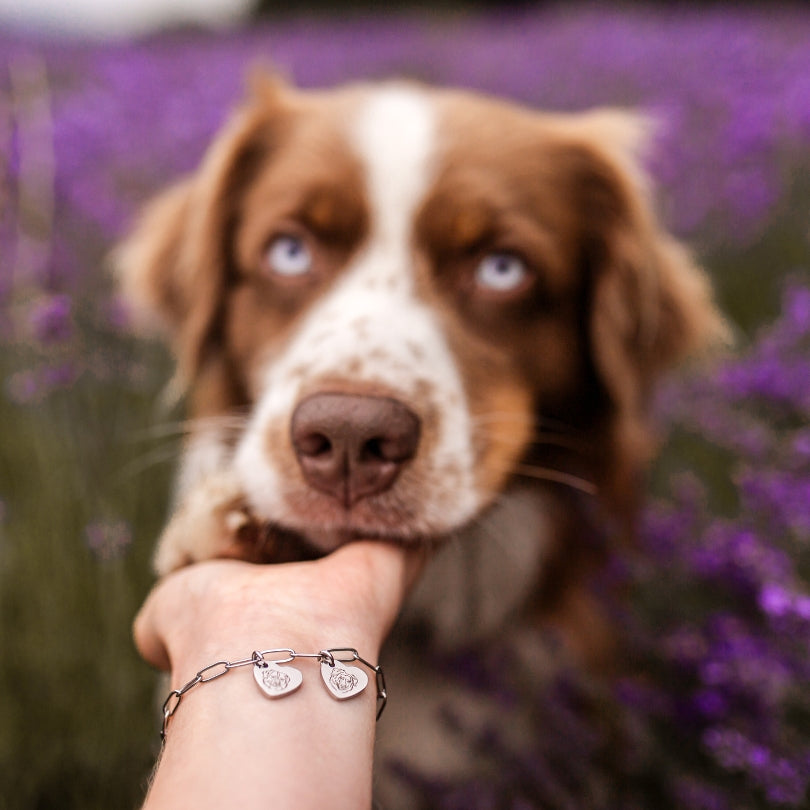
x: 316, y: 527
x: 269, y: 541
x: 318, y: 542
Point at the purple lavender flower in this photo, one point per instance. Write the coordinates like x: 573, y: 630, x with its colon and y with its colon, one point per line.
x: 33, y: 385
x: 51, y: 319
x: 108, y: 539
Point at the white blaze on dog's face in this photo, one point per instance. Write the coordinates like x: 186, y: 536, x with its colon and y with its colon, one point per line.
x: 371, y: 333
x: 401, y: 288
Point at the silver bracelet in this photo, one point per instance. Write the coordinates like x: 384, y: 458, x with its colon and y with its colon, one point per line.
x: 276, y: 680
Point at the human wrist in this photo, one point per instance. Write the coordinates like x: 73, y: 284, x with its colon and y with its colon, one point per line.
x: 235, y: 634
x: 345, y: 674
x: 235, y: 608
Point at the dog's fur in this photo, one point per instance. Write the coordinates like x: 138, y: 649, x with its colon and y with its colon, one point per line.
x: 524, y: 393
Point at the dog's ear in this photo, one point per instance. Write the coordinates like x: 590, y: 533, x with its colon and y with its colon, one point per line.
x: 650, y: 304
x: 174, y: 265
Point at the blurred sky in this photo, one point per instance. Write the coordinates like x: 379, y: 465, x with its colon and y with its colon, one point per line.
x: 119, y: 17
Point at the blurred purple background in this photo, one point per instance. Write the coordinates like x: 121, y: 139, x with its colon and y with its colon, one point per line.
x: 716, y: 712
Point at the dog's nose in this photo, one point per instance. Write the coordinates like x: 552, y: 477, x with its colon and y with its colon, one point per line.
x: 353, y: 446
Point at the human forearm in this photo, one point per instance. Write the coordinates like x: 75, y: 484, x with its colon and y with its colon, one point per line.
x: 227, y: 741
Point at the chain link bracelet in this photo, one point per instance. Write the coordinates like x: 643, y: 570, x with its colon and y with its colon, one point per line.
x: 275, y: 679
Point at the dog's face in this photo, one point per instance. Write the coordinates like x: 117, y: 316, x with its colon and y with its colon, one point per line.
x: 406, y: 292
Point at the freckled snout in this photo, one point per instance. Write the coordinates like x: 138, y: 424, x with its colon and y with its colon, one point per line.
x: 351, y: 446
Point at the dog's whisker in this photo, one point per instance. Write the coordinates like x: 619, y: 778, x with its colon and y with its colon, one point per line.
x: 181, y: 427
x: 163, y: 454
x: 542, y: 431
x: 556, y: 476
x: 502, y: 416
x: 237, y: 418
x: 226, y: 422
x: 161, y: 430
x: 541, y: 421
x: 555, y: 440
x: 545, y: 440
x: 538, y: 440
x: 557, y: 425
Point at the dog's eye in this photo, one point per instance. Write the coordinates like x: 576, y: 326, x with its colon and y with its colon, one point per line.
x: 288, y: 256
x: 501, y: 272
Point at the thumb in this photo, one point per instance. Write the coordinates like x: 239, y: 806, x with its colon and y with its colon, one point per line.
x: 382, y: 571
x: 148, y: 640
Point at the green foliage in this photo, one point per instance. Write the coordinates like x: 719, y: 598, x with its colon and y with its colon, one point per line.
x: 77, y: 730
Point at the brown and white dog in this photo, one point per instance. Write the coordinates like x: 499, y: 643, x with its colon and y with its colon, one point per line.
x: 416, y: 314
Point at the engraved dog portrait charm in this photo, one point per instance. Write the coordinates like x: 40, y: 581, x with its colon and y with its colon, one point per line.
x: 277, y: 681
x: 342, y: 681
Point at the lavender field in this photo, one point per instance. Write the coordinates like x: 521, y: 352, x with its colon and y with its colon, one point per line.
x: 714, y: 713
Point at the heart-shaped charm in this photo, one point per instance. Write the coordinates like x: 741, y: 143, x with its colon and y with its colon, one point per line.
x: 277, y: 681
x: 342, y: 681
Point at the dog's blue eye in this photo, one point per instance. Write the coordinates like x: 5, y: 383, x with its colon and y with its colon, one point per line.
x: 501, y: 272
x: 288, y: 256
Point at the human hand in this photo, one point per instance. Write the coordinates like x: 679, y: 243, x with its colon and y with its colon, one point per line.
x: 227, y: 744
x: 220, y: 608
